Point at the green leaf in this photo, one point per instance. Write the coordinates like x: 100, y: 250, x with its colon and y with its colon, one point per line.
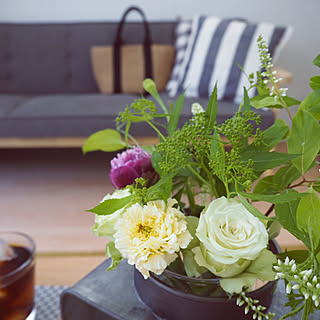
x: 312, y: 104
x: 277, y: 198
x: 286, y: 214
x: 190, y: 265
x: 104, y: 140
x: 308, y: 216
x: 290, y: 102
x: 268, y: 102
x: 253, y: 210
x: 162, y: 189
x: 267, y: 160
x: 212, y: 108
x: 299, y: 256
x: 110, y: 206
x: 192, y: 224
x: 315, y: 82
x: 279, y: 181
x: 155, y: 160
x: 274, y: 134
x: 316, y: 186
x: 261, y: 267
x: 175, y: 116
x: 216, y: 144
x: 302, y: 139
x: 316, y: 61
x: 163, y: 181
x: 274, y: 229
x: 285, y: 176
x: 217, y: 147
x: 246, y: 101
x: 266, y: 186
x: 237, y: 283
x: 114, y: 254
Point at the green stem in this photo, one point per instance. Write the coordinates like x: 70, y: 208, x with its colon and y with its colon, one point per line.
x: 293, y: 312
x: 133, y: 140
x: 156, y: 130
x: 190, y: 196
x: 127, y: 133
x: 306, y: 311
x: 212, y: 184
x: 197, y: 175
x: 162, y: 105
x: 227, y: 189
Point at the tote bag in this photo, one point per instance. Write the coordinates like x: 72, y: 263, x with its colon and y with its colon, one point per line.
x: 122, y: 67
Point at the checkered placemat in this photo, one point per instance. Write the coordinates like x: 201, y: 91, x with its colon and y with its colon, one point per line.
x: 48, y: 302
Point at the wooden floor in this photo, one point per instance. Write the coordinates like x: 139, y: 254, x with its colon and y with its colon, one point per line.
x: 45, y: 192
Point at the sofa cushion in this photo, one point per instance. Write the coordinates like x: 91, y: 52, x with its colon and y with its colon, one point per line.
x: 8, y: 103
x: 81, y: 115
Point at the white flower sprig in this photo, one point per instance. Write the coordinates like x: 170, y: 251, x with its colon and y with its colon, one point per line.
x: 253, y: 304
x: 303, y: 281
x: 268, y: 74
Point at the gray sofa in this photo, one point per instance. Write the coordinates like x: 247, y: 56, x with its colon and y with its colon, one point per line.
x: 47, y: 89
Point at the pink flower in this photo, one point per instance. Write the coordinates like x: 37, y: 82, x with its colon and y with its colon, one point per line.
x: 130, y: 165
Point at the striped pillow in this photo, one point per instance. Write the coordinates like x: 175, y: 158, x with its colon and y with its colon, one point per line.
x: 215, y: 46
x: 183, y: 30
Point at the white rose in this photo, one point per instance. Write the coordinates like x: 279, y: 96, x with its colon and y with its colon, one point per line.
x: 230, y: 238
x: 104, y: 224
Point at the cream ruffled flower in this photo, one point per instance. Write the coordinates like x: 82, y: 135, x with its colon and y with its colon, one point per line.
x: 149, y: 236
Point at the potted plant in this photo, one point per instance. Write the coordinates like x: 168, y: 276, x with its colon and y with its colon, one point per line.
x: 183, y: 214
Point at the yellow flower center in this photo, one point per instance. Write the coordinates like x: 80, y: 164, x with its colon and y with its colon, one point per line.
x: 144, y: 230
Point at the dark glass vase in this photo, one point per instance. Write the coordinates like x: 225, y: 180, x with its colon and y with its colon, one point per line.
x: 195, y: 299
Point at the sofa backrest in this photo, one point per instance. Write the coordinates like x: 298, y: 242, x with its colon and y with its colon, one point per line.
x: 55, y: 58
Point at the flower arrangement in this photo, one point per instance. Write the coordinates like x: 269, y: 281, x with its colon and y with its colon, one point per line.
x: 188, y: 200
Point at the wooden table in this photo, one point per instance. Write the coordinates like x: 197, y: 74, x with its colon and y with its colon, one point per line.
x: 68, y: 269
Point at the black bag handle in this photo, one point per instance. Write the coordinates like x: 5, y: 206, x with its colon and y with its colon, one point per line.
x: 117, y: 52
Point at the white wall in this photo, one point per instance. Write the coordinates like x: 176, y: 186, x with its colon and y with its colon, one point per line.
x: 296, y: 57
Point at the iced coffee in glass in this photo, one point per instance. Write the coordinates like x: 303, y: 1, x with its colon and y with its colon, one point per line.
x: 17, y: 252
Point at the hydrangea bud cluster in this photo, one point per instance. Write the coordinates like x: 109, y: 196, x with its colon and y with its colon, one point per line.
x: 253, y: 304
x: 268, y: 75
x: 302, y: 280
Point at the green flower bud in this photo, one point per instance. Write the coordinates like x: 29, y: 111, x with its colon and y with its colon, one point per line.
x: 149, y: 86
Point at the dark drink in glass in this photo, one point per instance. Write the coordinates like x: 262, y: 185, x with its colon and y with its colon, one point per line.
x: 17, y: 252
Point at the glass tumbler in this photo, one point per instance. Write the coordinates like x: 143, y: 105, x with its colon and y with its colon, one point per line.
x: 17, y: 261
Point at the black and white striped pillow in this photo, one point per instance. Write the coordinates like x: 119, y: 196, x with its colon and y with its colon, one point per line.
x: 183, y: 30
x: 215, y: 46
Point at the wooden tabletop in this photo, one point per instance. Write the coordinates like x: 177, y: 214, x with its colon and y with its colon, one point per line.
x: 68, y: 268
x: 64, y: 269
